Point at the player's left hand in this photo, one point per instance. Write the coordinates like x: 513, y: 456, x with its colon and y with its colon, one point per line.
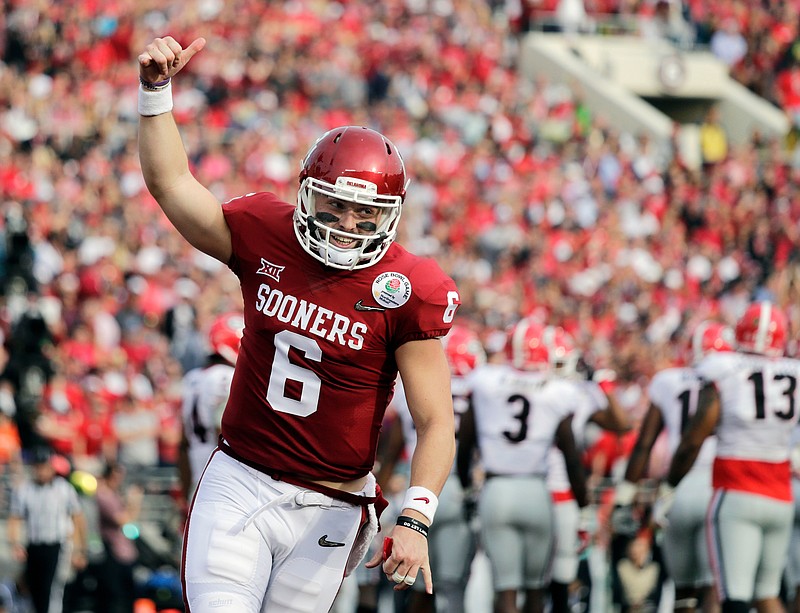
x: 164, y: 57
x: 662, y: 505
x: 404, y: 556
x: 585, y: 525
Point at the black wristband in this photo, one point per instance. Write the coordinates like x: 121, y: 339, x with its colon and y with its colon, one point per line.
x: 414, y: 524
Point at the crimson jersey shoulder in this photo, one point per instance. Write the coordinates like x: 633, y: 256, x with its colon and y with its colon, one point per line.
x: 255, y: 218
x: 435, y: 295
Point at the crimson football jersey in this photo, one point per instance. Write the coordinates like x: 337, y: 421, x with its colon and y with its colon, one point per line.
x: 316, y: 367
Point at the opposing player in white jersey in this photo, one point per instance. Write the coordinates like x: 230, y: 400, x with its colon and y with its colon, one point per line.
x: 518, y: 412
x: 673, y: 396
x: 451, y: 542
x: 597, y: 405
x: 205, y: 392
x: 751, y: 400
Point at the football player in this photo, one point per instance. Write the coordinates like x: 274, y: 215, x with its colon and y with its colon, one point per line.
x: 334, y: 308
x: 750, y: 400
x: 673, y: 396
x: 204, y: 394
x: 518, y: 412
x: 596, y: 404
x: 451, y: 540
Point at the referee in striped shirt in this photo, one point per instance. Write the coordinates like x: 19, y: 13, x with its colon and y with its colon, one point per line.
x: 47, y: 512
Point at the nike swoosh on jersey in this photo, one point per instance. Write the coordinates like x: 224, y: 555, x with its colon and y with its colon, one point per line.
x: 360, y: 306
x: 324, y: 542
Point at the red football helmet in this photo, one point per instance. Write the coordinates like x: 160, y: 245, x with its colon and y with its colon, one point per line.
x: 711, y: 336
x: 226, y: 334
x: 762, y: 329
x: 353, y: 164
x: 464, y: 350
x: 563, y: 353
x: 526, y: 348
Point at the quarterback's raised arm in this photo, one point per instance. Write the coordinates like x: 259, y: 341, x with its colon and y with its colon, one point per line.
x: 193, y: 210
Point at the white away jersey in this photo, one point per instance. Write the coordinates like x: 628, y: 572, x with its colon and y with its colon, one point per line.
x: 460, y: 390
x: 674, y: 391
x: 759, y: 404
x: 205, y: 392
x: 591, y: 400
x: 516, y: 417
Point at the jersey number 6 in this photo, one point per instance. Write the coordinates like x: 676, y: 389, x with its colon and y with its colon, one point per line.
x: 283, y: 370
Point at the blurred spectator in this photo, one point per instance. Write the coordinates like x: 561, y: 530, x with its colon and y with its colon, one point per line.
x: 181, y: 326
x: 96, y: 443
x: 16, y: 263
x: 571, y: 16
x: 728, y: 43
x: 136, y: 426
x: 713, y: 139
x: 787, y: 90
x: 639, y: 576
x: 61, y: 415
x: 663, y: 21
x: 29, y: 365
x: 118, y: 510
x: 10, y: 443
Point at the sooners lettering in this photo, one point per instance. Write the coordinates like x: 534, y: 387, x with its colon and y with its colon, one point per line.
x: 310, y: 317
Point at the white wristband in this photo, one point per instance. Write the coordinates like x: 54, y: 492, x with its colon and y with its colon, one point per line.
x: 155, y: 102
x: 422, y: 500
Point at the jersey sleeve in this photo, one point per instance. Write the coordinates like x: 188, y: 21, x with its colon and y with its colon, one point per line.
x: 221, y: 394
x: 431, y: 312
x: 595, y: 397
x: 249, y: 220
x: 657, y: 390
x: 565, y: 398
x: 715, y: 367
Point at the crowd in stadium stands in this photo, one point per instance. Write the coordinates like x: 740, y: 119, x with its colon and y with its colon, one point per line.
x: 528, y: 199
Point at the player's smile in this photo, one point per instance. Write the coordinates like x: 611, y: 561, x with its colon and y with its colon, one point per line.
x: 348, y: 217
